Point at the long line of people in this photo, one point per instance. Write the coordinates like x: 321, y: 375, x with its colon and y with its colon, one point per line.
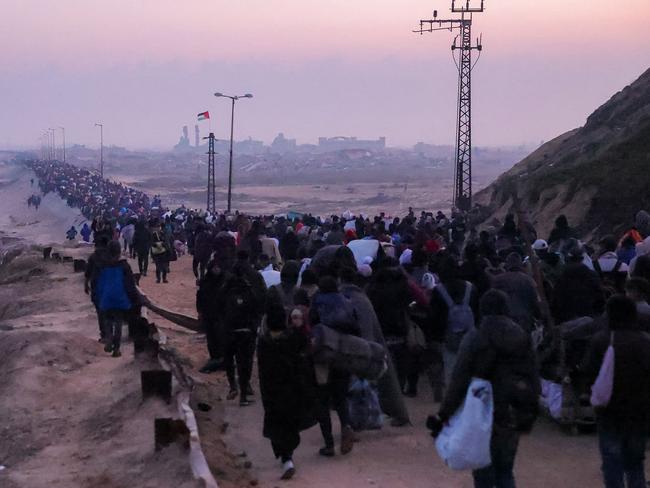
x: 434, y: 296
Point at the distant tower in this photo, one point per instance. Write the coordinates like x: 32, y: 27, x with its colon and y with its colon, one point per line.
x: 211, y: 205
x: 462, y: 43
x: 186, y: 135
x: 197, y: 138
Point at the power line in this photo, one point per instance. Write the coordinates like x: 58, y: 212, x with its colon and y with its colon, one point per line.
x: 462, y: 44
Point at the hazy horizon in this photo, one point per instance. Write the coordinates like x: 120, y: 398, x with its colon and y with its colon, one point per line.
x: 144, y: 69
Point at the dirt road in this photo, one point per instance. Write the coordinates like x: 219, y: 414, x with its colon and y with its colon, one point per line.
x: 390, y: 458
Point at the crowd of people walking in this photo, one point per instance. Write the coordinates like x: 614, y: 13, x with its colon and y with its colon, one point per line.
x: 389, y: 304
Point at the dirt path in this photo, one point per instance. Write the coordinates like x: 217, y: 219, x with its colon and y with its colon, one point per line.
x: 46, y: 225
x: 392, y: 457
x: 72, y: 417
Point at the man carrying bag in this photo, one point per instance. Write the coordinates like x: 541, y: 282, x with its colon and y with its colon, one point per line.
x: 500, y: 352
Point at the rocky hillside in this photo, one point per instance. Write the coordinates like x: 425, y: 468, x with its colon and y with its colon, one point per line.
x: 597, y: 175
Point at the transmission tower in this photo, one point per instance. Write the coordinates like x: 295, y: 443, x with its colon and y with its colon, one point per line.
x: 211, y: 206
x: 463, y: 44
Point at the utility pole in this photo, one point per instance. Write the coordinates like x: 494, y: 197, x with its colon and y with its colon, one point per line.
x: 53, y: 145
x: 101, y: 149
x: 45, y: 146
x: 63, y: 133
x: 462, y: 43
x: 211, y: 205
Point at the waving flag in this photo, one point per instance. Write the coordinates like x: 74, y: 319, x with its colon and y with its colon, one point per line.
x: 204, y: 115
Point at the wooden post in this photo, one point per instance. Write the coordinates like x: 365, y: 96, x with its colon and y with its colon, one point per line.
x: 79, y: 265
x: 157, y: 383
x: 168, y: 431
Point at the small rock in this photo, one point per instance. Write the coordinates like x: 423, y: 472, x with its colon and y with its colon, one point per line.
x: 242, y: 454
x: 248, y: 465
x: 224, y: 427
x: 254, y: 482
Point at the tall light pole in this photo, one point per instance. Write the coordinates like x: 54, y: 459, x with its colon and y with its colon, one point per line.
x: 63, y: 133
x: 232, y: 124
x: 101, y: 149
x: 53, y: 144
x: 45, y: 145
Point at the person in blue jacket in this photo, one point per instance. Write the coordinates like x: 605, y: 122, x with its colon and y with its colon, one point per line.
x: 115, y: 293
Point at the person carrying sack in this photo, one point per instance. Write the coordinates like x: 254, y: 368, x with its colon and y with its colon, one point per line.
x: 500, y: 352
x: 619, y: 361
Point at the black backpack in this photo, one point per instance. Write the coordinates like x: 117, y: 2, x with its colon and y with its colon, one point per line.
x: 613, y: 281
x: 514, y: 380
x: 240, y: 306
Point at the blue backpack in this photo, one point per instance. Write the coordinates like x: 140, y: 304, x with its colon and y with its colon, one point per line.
x: 111, y: 292
x: 460, y: 317
x: 363, y: 406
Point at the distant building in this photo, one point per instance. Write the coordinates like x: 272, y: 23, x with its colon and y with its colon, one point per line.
x: 183, y: 141
x: 341, y: 143
x: 282, y: 145
x: 197, y: 136
x: 249, y: 146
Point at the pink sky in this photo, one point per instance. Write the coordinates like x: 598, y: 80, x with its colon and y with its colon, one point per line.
x: 341, y: 67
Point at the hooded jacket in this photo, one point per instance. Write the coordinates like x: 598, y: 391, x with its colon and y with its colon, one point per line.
x: 522, y: 291
x: 497, y: 350
x: 629, y: 407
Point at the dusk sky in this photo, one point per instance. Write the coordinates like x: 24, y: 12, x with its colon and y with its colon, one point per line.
x: 316, y: 68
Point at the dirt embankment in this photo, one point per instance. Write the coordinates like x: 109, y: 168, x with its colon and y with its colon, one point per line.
x: 72, y: 416
x: 596, y: 175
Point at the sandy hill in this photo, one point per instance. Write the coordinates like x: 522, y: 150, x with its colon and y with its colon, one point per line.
x: 597, y: 175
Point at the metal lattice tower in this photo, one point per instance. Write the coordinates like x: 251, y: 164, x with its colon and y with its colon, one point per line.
x: 211, y: 205
x: 463, y: 44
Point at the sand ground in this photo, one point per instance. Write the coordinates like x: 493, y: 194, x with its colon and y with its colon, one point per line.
x: 390, y: 458
x: 72, y: 417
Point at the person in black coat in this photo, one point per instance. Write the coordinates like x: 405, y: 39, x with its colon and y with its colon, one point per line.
x: 623, y: 423
x: 578, y: 292
x: 390, y: 296
x: 287, y: 386
x: 500, y: 351
x: 203, y: 244
x: 289, y: 245
x: 209, y: 308
x: 142, y: 244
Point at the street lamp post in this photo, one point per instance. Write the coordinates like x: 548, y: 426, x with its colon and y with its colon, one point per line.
x: 232, y: 125
x: 101, y: 149
x: 45, y: 148
x: 63, y: 133
x: 53, y: 144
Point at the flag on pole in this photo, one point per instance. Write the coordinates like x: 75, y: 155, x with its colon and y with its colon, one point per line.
x: 204, y: 115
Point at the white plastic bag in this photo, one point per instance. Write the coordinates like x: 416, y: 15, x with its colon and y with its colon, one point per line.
x: 601, y: 391
x: 465, y: 442
x: 552, y: 398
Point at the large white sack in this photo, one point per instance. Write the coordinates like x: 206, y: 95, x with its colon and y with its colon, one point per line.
x: 362, y: 248
x: 465, y: 442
